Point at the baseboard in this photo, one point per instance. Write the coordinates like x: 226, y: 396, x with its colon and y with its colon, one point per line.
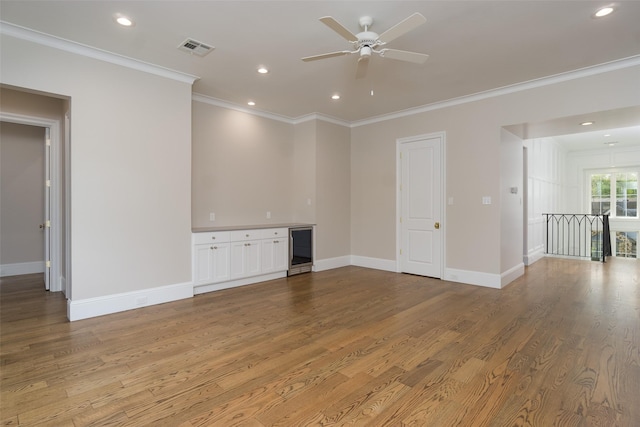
x: 21, y: 268
x: 534, y: 256
x: 201, y: 289
x: 331, y: 263
x: 99, y: 306
x: 375, y: 263
x: 511, y: 274
x: 477, y: 278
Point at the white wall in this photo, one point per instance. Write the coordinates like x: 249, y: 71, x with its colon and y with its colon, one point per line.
x: 130, y: 165
x: 472, y: 163
x: 242, y: 168
x: 546, y: 191
x: 511, y: 207
x: 333, y: 191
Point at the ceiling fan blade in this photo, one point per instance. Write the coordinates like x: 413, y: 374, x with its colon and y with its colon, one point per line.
x: 330, y: 22
x: 326, y: 55
x: 401, y: 28
x: 403, y: 55
x: 363, y: 64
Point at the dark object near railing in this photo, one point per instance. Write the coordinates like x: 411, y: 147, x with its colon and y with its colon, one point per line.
x: 579, y: 235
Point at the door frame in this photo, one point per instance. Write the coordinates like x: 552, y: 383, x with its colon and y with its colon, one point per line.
x: 443, y: 207
x: 55, y: 244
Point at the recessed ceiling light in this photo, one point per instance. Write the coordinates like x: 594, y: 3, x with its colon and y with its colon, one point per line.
x: 263, y: 70
x: 252, y: 103
x: 335, y: 97
x: 586, y: 123
x: 603, y: 11
x: 124, y: 20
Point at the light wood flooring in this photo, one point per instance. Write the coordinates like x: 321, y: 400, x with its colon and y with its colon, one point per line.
x: 351, y: 346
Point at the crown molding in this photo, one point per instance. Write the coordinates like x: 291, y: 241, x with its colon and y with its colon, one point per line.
x: 631, y: 61
x: 37, y: 37
x: 321, y: 117
x: 198, y: 97
x: 206, y: 99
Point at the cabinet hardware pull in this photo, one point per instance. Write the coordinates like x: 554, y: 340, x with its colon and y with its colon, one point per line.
x: 213, y: 237
x: 211, y: 247
x: 276, y: 233
x: 246, y: 235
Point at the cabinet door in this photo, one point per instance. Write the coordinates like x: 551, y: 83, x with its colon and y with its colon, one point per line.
x: 237, y: 260
x: 245, y: 259
x: 220, y: 262
x: 274, y: 255
x: 281, y: 254
x: 202, y: 264
x: 252, y: 265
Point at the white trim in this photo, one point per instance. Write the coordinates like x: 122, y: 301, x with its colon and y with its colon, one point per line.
x: 375, y: 263
x: 534, y: 255
x: 321, y: 117
x: 21, y: 268
x: 198, y: 97
x: 55, y: 195
x: 477, y: 278
x: 108, y: 304
x: 44, y: 39
x: 201, y: 289
x: 631, y: 61
x: 443, y: 207
x: 511, y: 275
x: 331, y: 263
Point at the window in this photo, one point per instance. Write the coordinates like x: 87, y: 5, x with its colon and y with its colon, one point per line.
x: 619, y: 190
x: 626, y: 243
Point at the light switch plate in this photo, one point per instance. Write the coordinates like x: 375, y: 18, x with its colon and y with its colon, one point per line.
x: 486, y: 200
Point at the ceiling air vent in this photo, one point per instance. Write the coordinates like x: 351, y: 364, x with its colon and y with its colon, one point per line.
x: 195, y: 47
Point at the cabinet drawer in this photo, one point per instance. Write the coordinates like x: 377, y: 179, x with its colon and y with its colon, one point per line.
x: 272, y: 233
x: 213, y: 237
x: 242, y: 235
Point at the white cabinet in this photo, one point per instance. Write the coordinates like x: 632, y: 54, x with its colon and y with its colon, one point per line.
x: 245, y: 259
x: 274, y: 255
x: 239, y: 257
x: 211, y: 261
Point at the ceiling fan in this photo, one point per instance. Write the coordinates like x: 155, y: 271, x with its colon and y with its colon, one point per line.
x: 367, y: 42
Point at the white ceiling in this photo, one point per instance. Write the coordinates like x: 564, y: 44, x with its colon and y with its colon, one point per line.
x: 474, y: 46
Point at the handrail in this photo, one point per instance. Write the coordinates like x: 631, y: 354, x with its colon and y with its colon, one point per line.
x: 579, y: 235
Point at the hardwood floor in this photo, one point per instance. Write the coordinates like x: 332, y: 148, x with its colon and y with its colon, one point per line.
x: 559, y: 346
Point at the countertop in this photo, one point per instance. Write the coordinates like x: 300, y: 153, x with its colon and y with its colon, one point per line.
x: 249, y: 227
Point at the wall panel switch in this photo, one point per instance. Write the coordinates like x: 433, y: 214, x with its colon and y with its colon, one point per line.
x: 486, y: 200
x: 212, y: 216
x: 268, y: 215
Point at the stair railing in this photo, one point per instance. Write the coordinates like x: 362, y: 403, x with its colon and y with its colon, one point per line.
x: 578, y: 235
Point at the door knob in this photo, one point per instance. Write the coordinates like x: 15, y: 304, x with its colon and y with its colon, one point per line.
x: 436, y: 225
x: 41, y: 226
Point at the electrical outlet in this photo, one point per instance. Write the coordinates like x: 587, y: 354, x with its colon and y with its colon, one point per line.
x: 212, y: 216
x: 268, y: 214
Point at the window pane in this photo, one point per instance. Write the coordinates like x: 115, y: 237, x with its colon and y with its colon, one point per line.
x: 626, y: 194
x: 626, y: 244
x: 600, y: 194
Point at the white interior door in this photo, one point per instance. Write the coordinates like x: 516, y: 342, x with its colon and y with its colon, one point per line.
x: 421, y: 205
